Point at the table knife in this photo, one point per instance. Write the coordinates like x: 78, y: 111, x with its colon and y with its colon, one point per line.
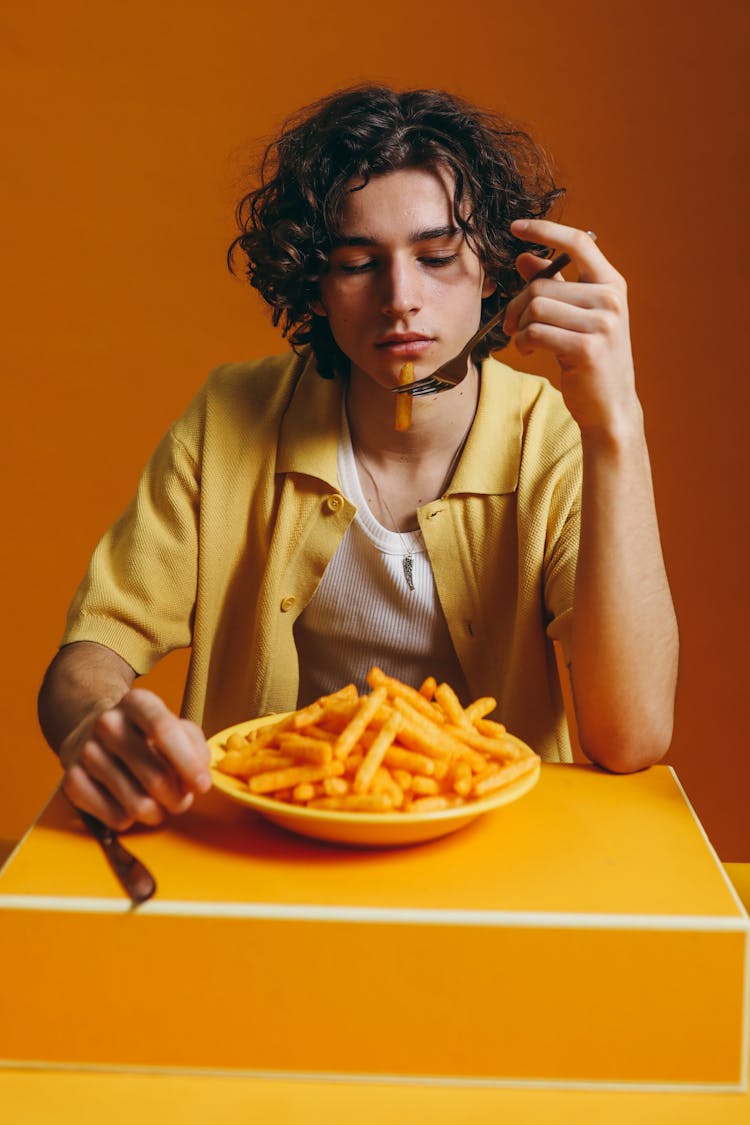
x: 135, y: 879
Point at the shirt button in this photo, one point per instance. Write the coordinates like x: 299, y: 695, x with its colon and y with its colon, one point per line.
x: 335, y: 503
x: 288, y: 603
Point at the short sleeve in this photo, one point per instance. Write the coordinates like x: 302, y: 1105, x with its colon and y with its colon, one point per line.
x: 138, y: 594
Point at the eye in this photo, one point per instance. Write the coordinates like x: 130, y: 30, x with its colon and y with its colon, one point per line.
x: 437, y: 263
x: 359, y: 267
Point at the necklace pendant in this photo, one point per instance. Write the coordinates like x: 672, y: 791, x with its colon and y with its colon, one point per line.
x: 407, y: 563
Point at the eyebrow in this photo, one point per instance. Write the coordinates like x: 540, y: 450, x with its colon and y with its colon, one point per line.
x: 417, y: 236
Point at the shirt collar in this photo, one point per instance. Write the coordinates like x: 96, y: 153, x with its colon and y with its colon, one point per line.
x: 491, y: 460
x: 308, y: 441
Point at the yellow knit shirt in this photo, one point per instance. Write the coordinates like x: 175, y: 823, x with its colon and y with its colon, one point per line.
x: 239, y: 511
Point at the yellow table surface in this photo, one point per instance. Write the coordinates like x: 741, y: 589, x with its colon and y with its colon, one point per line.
x: 581, y: 842
x: 59, y: 1096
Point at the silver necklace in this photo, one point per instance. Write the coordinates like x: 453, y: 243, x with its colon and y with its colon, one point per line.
x: 407, y: 559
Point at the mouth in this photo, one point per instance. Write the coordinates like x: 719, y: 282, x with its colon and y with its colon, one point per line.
x: 405, y: 343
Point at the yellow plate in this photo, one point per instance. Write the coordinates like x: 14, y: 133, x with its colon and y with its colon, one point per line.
x: 366, y: 830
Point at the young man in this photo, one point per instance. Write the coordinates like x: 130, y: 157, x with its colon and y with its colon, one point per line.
x: 292, y: 537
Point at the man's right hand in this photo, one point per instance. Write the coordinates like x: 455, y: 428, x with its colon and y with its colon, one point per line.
x: 135, y: 762
x: 127, y: 758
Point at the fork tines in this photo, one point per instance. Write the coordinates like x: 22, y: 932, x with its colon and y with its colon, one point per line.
x: 428, y: 386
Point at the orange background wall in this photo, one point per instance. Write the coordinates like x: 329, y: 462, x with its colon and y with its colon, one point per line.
x: 128, y: 126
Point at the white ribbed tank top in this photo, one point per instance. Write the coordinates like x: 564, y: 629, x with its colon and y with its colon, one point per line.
x: 364, y: 613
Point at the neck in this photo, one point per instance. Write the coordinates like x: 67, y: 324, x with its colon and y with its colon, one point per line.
x: 399, y: 472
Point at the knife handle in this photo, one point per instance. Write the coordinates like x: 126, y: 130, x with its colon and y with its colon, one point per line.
x: 134, y: 877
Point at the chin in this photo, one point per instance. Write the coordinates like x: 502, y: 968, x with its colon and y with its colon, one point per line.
x: 387, y: 379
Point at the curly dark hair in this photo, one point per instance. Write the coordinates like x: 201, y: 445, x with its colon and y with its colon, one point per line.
x: 289, y: 224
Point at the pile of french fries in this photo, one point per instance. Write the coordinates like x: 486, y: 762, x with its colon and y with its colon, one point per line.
x: 395, y: 749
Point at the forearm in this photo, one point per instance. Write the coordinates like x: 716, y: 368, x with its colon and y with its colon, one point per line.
x: 625, y: 643
x: 83, y: 680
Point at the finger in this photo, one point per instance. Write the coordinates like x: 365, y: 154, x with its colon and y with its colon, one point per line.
x: 555, y: 315
x: 531, y: 265
x: 580, y: 351
x: 114, y: 731
x: 115, y: 779
x: 83, y: 792
x: 176, y: 740
x: 197, y: 736
x: 577, y: 317
x: 583, y: 251
x: 546, y: 300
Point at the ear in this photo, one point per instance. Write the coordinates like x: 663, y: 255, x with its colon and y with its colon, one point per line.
x: 318, y: 308
x: 489, y: 285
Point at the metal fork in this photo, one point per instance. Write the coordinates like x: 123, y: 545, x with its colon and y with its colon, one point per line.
x: 452, y: 372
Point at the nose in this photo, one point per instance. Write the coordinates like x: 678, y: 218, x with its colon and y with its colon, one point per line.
x: 401, y: 293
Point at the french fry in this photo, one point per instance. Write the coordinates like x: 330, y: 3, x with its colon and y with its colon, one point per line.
x: 235, y: 742
x: 309, y: 749
x: 403, y: 779
x: 309, y: 715
x: 427, y: 687
x: 424, y: 735
x: 479, y: 708
x: 428, y: 804
x: 336, y: 717
x: 306, y: 716
x: 404, y: 403
x: 335, y: 786
x: 397, y: 690
x: 356, y: 726
x: 502, y: 748
x: 314, y: 731
x: 354, y: 802
x: 305, y: 791
x: 425, y: 786
x: 235, y: 762
x: 449, y: 701
x: 505, y: 775
x: 474, y: 758
x: 348, y: 694
x: 398, y: 757
x: 353, y: 762
x: 264, y: 736
x: 460, y: 777
x: 441, y: 769
x: 374, y: 756
x: 288, y: 778
x: 490, y: 770
x: 383, y: 782
x: 240, y: 763
x: 489, y: 728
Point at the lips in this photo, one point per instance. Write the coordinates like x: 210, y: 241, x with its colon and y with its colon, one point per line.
x: 404, y: 343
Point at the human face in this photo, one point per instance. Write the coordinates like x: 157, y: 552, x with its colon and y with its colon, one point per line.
x: 402, y: 284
